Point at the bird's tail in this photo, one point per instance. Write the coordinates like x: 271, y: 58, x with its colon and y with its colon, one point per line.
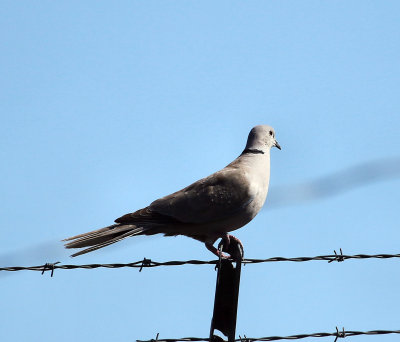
x: 102, y: 237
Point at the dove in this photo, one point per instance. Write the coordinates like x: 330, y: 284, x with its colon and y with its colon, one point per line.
x: 206, y: 210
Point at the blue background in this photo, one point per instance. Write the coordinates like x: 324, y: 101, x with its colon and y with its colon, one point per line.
x: 106, y: 106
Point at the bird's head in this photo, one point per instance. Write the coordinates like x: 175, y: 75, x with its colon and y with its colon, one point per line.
x: 262, y: 138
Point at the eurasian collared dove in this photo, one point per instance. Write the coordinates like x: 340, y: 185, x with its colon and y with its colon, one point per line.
x: 206, y: 210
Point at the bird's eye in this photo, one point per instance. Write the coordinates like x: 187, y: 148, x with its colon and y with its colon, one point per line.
x: 270, y: 133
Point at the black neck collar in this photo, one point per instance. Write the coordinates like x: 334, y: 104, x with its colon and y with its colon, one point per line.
x: 252, y: 151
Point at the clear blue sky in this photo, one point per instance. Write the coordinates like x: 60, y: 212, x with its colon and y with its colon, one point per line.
x: 106, y: 106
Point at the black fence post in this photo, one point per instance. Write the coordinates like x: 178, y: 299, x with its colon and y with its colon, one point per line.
x: 227, y: 294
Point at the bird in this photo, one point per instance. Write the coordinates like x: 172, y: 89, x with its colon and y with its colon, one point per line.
x: 206, y: 210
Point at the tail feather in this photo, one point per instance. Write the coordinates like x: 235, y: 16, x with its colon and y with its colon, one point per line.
x: 92, y: 238
x: 102, y: 237
x: 105, y: 243
x: 93, y: 233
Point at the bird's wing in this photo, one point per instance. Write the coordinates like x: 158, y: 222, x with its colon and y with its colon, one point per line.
x: 213, y: 198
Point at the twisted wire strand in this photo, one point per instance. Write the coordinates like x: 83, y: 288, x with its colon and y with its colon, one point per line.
x: 337, y: 334
x: 150, y: 263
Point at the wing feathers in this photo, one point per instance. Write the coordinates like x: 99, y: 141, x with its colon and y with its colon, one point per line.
x: 210, y: 199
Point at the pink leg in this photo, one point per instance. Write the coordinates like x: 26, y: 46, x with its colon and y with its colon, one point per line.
x: 239, y: 243
x: 226, y: 240
x: 215, y: 251
x: 234, y: 238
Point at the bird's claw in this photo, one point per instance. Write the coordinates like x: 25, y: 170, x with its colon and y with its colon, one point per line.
x: 234, y: 249
x: 228, y: 246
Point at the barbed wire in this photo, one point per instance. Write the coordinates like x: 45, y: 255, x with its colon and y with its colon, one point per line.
x: 150, y: 263
x: 338, y: 334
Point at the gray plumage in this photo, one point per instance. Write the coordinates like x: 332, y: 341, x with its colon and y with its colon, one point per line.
x: 206, y: 210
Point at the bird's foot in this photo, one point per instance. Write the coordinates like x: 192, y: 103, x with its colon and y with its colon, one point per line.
x: 216, y: 251
x: 232, y: 245
x: 236, y: 251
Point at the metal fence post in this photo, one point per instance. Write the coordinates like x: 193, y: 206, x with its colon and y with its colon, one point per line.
x: 227, y: 294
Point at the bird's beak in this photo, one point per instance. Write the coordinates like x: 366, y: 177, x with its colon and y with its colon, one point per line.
x: 277, y: 145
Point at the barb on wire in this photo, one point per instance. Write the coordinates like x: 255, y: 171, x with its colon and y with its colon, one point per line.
x: 337, y: 334
x: 338, y: 257
x: 150, y: 263
x: 340, y: 334
x: 145, y: 263
x: 243, y: 339
x: 49, y: 267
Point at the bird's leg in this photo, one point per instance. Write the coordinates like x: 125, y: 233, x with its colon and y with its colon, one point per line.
x: 225, y: 240
x: 215, y: 251
x: 234, y: 238
x: 239, y: 243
